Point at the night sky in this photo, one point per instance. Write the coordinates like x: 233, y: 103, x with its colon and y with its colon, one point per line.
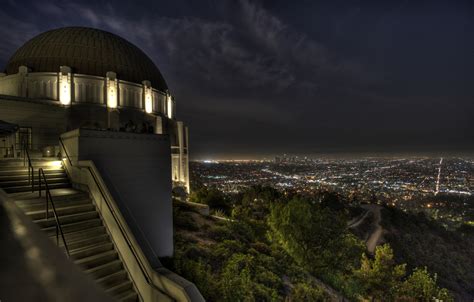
x: 267, y: 77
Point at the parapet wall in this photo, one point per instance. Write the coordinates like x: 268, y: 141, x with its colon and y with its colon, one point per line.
x: 136, y: 169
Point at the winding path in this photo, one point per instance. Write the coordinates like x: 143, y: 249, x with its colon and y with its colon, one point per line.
x: 358, y: 220
x: 376, y: 236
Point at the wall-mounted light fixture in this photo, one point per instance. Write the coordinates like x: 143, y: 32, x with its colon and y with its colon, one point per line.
x: 65, y: 78
x: 148, y: 101
x: 112, y: 90
x: 169, y: 102
x: 148, y: 97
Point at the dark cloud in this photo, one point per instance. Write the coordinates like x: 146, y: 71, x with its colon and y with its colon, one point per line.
x: 267, y: 77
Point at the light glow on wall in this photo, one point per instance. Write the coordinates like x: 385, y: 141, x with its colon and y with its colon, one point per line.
x: 112, y: 93
x: 55, y: 163
x: 65, y: 89
x: 148, y: 101
x: 170, y: 106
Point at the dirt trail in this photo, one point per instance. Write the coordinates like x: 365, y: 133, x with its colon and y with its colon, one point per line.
x: 374, y: 238
x: 358, y: 220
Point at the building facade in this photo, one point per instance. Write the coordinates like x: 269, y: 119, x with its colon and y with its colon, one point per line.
x: 76, y: 77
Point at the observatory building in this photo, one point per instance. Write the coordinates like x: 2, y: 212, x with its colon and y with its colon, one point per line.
x: 87, y: 120
x: 76, y: 77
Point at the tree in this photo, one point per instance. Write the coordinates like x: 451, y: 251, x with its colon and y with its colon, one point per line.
x: 254, y: 203
x: 179, y: 193
x: 380, y: 277
x: 236, y: 283
x: 199, y: 273
x: 212, y: 197
x: 331, y: 200
x: 421, y: 286
x: 304, y: 292
x: 249, y: 277
x: 315, y: 236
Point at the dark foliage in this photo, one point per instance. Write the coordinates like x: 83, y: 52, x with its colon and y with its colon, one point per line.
x: 420, y: 241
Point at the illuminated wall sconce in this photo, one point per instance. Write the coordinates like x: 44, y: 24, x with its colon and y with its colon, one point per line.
x: 148, y: 101
x: 169, y: 102
x: 148, y: 96
x: 65, y: 85
x: 112, y: 90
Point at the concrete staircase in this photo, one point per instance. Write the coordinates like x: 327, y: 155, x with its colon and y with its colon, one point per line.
x: 14, y: 175
x: 89, y: 244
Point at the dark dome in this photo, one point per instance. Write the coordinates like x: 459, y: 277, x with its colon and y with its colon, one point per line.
x: 87, y: 51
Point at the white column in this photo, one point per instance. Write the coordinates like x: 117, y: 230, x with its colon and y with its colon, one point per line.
x: 23, y: 87
x: 65, y: 85
x: 111, y: 91
x: 169, y: 106
x: 147, y: 97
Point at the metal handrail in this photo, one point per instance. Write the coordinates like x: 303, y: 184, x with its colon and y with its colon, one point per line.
x: 65, y: 151
x: 124, y: 234
x: 59, y: 229
x: 31, y: 171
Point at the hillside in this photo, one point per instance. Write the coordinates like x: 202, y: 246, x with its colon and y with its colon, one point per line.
x: 279, y: 247
x: 420, y: 241
x: 226, y: 260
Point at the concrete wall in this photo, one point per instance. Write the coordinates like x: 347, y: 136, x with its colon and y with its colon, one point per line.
x: 39, y: 85
x: 11, y: 85
x: 136, y: 169
x: 130, y: 95
x: 86, y: 115
x: 159, y: 101
x: 46, y: 119
x: 84, y: 89
x: 43, y: 85
x: 89, y: 89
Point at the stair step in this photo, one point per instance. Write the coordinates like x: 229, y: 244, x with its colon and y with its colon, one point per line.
x: 25, y: 182
x: 105, y: 269
x: 127, y: 296
x: 97, y: 260
x: 11, y: 171
x: 19, y: 177
x: 112, y: 279
x: 33, y: 200
x: 87, y: 240
x: 86, y: 233
x: 74, y: 227
x: 91, y: 250
x: 119, y: 288
x: 62, y: 211
x: 7, y: 163
x: 28, y: 188
x: 30, y: 208
x: 66, y: 219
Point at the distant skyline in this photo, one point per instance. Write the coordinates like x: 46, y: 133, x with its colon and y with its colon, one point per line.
x: 261, y: 78
x: 353, y: 155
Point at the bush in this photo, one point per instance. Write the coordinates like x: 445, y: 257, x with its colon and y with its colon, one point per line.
x: 304, y: 292
x: 421, y: 286
x: 200, y: 274
x: 212, y: 197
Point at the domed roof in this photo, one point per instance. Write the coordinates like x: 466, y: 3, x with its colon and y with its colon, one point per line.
x: 87, y: 51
